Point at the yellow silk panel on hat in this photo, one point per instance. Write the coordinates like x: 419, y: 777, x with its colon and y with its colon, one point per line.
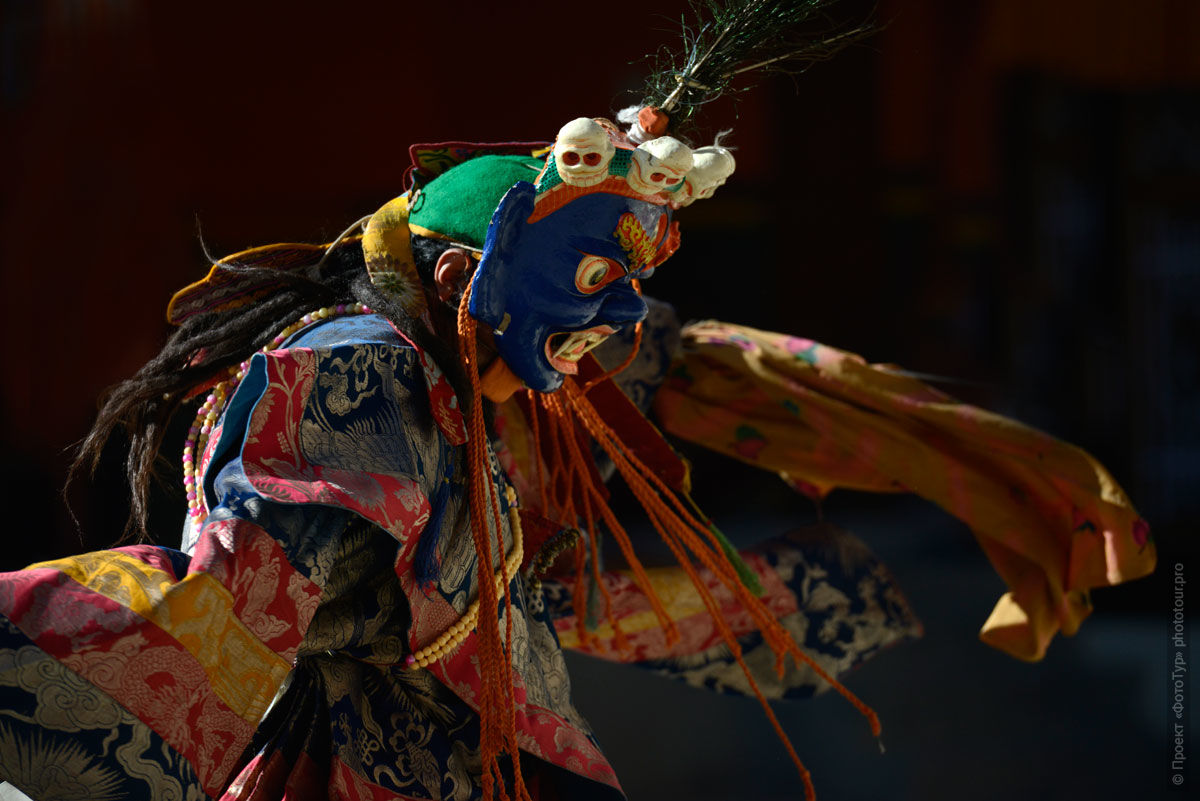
x: 387, y: 252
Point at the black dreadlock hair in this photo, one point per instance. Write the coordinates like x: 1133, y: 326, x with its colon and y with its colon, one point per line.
x: 200, y: 352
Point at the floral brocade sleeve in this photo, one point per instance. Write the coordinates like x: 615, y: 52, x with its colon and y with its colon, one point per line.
x: 1052, y: 521
x: 143, y: 672
x: 825, y: 587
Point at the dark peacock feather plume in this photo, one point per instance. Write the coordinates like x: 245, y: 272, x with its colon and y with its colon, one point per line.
x: 728, y: 39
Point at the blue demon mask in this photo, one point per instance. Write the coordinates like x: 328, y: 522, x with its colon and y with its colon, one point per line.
x: 554, y: 288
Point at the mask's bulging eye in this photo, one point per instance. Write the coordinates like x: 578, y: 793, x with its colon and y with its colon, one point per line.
x: 595, y: 271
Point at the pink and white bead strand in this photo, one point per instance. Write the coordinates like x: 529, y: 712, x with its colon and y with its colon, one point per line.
x: 214, y: 404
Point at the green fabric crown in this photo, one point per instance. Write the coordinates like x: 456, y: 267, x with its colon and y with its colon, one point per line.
x: 458, y: 204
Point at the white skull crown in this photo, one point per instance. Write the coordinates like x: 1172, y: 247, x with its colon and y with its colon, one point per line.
x: 712, y: 166
x: 582, y: 152
x: 659, y: 165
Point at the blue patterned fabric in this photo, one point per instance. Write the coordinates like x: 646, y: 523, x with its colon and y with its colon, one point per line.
x: 63, y: 739
x: 850, y: 609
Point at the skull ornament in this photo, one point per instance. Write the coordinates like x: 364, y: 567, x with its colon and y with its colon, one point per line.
x: 712, y: 166
x: 659, y: 165
x: 582, y: 152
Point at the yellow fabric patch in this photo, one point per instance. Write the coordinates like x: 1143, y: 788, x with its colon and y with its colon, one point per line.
x: 197, y: 612
x: 674, y: 589
x: 389, y: 258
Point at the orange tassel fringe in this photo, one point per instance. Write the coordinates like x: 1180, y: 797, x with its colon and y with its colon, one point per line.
x: 569, y: 496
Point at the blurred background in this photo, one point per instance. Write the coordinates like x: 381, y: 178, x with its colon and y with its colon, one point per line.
x: 1005, y: 193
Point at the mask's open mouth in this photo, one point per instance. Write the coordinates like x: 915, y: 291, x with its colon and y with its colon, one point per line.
x: 564, y: 350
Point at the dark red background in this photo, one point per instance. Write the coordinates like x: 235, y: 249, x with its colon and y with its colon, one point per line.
x: 885, y: 202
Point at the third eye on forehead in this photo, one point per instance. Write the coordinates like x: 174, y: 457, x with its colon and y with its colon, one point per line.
x: 593, y: 246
